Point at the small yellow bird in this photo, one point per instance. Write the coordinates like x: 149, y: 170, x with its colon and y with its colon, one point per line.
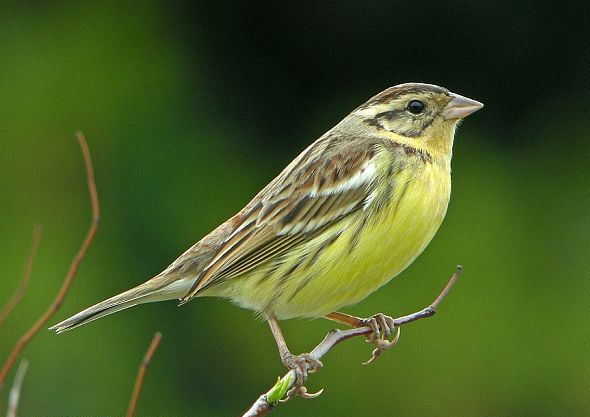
x: 341, y: 220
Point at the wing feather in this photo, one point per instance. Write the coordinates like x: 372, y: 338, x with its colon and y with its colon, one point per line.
x: 318, y: 189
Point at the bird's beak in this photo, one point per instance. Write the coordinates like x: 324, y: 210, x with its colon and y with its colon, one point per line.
x: 460, y: 107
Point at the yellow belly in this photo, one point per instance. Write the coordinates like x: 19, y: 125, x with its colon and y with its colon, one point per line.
x: 358, y: 260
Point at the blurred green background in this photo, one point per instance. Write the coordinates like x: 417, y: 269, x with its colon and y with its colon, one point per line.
x: 190, y: 108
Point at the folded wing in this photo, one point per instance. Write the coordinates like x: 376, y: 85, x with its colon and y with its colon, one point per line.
x: 315, y: 191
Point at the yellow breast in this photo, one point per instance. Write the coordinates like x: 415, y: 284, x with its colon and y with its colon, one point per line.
x: 359, y: 254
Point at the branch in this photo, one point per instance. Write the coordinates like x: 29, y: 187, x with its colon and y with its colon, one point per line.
x: 269, y: 400
x: 141, y: 373
x: 73, y: 266
x: 14, y: 395
x: 24, y: 282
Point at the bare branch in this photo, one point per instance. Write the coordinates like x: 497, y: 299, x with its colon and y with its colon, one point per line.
x: 24, y: 282
x: 73, y: 266
x: 141, y: 373
x: 268, y: 401
x: 14, y: 395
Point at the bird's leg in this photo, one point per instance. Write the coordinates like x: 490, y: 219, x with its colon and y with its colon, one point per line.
x: 381, y: 325
x: 301, y: 364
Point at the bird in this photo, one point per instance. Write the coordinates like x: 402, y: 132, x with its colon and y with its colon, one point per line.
x: 348, y: 214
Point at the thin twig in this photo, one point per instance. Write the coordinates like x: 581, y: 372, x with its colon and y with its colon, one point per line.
x: 14, y: 395
x: 24, y: 281
x: 269, y: 400
x: 147, y: 358
x: 73, y: 266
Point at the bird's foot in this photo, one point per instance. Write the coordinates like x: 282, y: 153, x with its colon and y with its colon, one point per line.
x: 302, y: 365
x: 383, y: 327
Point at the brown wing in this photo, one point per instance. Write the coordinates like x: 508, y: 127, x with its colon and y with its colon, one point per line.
x: 316, y: 190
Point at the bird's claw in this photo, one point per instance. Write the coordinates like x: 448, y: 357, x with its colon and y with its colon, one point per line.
x: 301, y: 391
x: 382, y: 327
x: 302, y: 365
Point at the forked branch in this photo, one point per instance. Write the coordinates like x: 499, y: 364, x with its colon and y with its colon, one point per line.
x: 73, y: 266
x: 269, y: 400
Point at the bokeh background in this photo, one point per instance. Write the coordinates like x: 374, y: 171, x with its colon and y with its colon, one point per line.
x: 190, y: 108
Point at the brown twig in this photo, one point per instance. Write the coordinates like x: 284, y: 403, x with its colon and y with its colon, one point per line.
x: 14, y: 395
x: 73, y: 266
x: 147, y: 358
x: 269, y: 400
x: 24, y: 282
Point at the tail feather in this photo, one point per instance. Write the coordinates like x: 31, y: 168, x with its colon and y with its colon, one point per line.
x: 150, y: 291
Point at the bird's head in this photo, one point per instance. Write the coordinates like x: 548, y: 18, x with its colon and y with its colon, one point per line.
x: 424, y: 116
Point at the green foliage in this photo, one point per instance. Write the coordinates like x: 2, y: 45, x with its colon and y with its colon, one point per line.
x: 279, y: 390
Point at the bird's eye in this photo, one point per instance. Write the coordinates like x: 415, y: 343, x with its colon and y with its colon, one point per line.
x: 415, y: 107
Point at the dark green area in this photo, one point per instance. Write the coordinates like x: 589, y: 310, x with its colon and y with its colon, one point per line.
x: 190, y: 109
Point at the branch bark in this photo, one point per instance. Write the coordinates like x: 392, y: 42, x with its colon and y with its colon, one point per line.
x: 270, y: 400
x: 73, y: 266
x: 141, y: 373
x: 24, y: 282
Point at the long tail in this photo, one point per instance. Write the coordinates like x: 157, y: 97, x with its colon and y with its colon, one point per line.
x: 158, y: 288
